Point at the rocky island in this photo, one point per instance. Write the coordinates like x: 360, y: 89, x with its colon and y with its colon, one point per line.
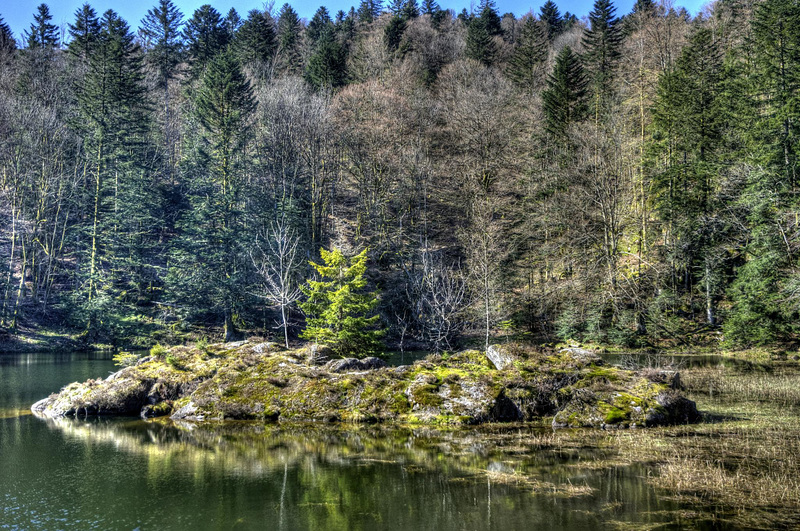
x: 259, y: 381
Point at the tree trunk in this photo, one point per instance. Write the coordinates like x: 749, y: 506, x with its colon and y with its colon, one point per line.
x: 230, y: 332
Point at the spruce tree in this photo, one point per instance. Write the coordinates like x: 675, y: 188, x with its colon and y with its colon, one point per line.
x: 688, y: 120
x: 369, y: 10
x: 232, y: 24
x: 564, y: 99
x: 480, y: 45
x: 602, y: 42
x: 490, y: 18
x: 338, y: 308
x: 163, y: 41
x: 761, y: 312
x: 526, y: 64
x: 42, y: 33
x: 209, y: 265
x: 327, y: 66
x: 430, y: 7
x: 551, y: 17
x: 290, y: 59
x: 160, y: 32
x: 319, y: 26
x: 257, y: 40
x: 113, y: 122
x: 7, y: 42
x: 410, y: 10
x: 205, y: 37
x: 84, y: 33
x: 396, y: 6
x: 393, y: 34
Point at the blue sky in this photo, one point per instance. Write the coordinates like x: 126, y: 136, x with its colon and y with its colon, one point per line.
x: 18, y: 14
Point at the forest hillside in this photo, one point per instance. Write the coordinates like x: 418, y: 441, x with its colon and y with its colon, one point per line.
x: 629, y: 178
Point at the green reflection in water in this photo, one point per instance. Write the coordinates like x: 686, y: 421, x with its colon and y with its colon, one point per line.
x: 128, y: 473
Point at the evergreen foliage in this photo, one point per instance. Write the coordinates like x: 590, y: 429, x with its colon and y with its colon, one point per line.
x: 602, y: 42
x: 480, y: 45
x: 210, y: 263
x: 290, y: 59
x: 205, y: 36
x: 410, y: 10
x: 320, y: 26
x: 430, y: 7
x: 113, y: 122
x: 564, y: 99
x: 7, y: 42
x: 162, y: 39
x: 526, y: 65
x: 661, y: 199
x: 257, y: 40
x: 338, y: 308
x: 42, y: 33
x: 393, y: 34
x: 369, y: 10
x: 84, y: 33
x: 327, y: 66
x: 551, y: 18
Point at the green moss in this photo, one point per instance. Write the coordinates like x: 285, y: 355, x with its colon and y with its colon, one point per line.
x: 426, y: 395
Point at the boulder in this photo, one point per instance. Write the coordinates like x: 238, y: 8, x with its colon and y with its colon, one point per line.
x: 316, y: 354
x: 353, y: 364
x: 674, y: 409
x: 500, y: 357
x: 585, y: 355
x: 266, y: 347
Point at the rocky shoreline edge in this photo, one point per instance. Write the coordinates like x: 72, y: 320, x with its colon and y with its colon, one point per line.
x: 259, y: 381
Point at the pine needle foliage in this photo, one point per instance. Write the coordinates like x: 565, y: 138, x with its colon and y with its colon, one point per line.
x: 338, y: 308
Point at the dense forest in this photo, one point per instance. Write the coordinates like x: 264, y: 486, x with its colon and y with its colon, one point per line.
x: 620, y: 179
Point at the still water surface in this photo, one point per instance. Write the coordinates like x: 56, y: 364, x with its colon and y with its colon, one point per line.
x: 132, y: 474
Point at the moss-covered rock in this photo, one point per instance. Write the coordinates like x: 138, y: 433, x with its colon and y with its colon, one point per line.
x: 248, y: 381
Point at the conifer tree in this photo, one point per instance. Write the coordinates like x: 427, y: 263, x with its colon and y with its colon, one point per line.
x: 602, y: 42
x: 319, y: 26
x: 205, y: 36
x: 210, y: 263
x: 393, y: 34
x: 410, y: 10
x: 327, y: 66
x: 527, y: 62
x: 551, y: 18
x: 289, y: 41
x: 369, y: 10
x: 113, y: 122
x: 564, y: 100
x: 163, y: 41
x: 232, y: 23
x: 257, y: 40
x: 687, y: 121
x: 338, y: 308
x: 84, y: 33
x: 489, y: 17
x: 765, y: 282
x: 430, y: 7
x: 7, y: 42
x: 42, y: 33
x: 480, y: 44
x: 396, y: 6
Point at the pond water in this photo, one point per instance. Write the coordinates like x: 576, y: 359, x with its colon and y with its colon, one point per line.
x: 134, y: 474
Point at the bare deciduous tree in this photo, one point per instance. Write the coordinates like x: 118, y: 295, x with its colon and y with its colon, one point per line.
x: 277, y: 263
